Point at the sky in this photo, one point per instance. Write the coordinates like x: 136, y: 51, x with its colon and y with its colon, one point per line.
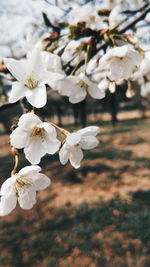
x: 17, y: 18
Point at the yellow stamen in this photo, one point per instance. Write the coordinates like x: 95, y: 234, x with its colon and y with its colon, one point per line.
x: 40, y: 132
x: 31, y: 83
x: 82, y: 84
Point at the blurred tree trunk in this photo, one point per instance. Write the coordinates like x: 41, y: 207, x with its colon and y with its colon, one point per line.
x: 75, y: 108
x: 83, y: 113
x: 113, y: 108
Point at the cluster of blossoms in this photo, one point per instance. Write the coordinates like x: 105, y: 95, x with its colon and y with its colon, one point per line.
x: 36, y: 137
x: 122, y: 60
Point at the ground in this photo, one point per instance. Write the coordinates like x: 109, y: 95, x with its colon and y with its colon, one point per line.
x: 98, y: 215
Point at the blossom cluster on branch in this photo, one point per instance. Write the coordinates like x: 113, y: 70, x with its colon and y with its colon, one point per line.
x: 77, y: 59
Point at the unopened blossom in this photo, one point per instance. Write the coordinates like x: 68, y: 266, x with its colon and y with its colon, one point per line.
x: 22, y: 187
x: 77, y: 88
x: 120, y: 62
x: 32, y: 77
x: 36, y: 137
x: 145, y: 89
x: 75, y: 142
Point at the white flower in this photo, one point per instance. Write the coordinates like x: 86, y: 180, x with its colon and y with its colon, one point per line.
x: 31, y: 75
x: 120, y: 61
x: 22, y: 187
x: 77, y: 87
x: 75, y: 142
x: 36, y: 137
x: 87, y: 13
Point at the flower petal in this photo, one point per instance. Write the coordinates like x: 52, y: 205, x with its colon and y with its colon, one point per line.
x: 41, y: 181
x: 88, y: 142
x: 35, y: 151
x: 18, y: 91
x: 75, y: 156
x: 52, y: 145
x: 18, y: 68
x: 27, y: 199
x: 19, y: 138
x: 52, y: 61
x: 6, y: 186
x: 95, y: 92
x: 49, y: 129
x: 90, y: 130
x: 63, y: 155
x: 35, y: 64
x: 7, y: 203
x: 37, y: 97
x: 28, y: 121
x: 30, y: 170
x: 73, y: 139
x: 77, y: 95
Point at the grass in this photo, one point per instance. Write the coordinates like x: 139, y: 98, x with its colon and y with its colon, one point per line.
x: 79, y: 229
x: 108, y: 233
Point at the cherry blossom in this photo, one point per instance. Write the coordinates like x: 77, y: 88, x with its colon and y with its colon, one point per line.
x: 32, y: 77
x: 22, y: 186
x: 75, y: 142
x: 86, y: 13
x: 121, y: 62
x: 77, y: 87
x: 36, y: 137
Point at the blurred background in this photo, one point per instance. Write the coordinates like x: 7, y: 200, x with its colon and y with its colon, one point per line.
x: 98, y: 215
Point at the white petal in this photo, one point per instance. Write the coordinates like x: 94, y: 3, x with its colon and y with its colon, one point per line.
x: 30, y: 170
x: 88, y: 142
x: 27, y: 199
x: 18, y: 68
x: 52, y: 145
x: 95, y: 92
x: 63, y: 155
x: 7, y: 203
x: 75, y: 157
x: 18, y: 91
x: 63, y: 86
x: 49, y: 129
x: 41, y: 181
x: 90, y: 130
x: 6, y: 186
x: 35, y: 151
x: 37, y: 97
x: 73, y: 139
x: 19, y: 138
x: 77, y: 95
x: 28, y: 121
x: 52, y: 61
x: 35, y: 64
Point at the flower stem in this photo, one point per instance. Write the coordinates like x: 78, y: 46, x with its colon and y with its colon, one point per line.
x: 14, y: 171
x: 61, y: 133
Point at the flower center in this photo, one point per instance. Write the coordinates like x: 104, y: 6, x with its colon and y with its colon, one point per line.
x: 31, y: 83
x: 40, y: 132
x: 20, y: 183
x: 82, y: 84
